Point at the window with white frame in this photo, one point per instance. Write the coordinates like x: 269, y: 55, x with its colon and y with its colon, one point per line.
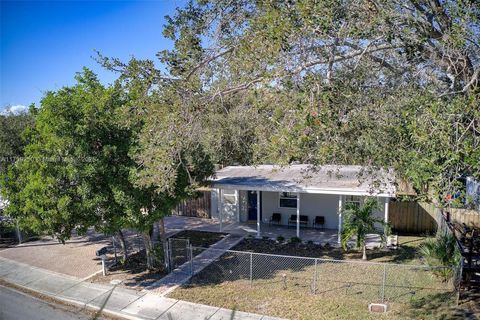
x: 229, y: 197
x: 288, y: 200
x: 355, y: 201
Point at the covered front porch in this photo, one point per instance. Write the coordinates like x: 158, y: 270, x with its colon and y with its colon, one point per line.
x: 321, y: 236
x: 175, y: 224
x: 269, y: 201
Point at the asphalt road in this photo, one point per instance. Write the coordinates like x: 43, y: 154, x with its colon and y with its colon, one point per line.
x: 18, y: 306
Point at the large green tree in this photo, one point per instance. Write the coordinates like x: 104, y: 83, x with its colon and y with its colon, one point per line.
x: 75, y: 166
x: 167, y: 147
x: 377, y: 83
x: 12, y: 142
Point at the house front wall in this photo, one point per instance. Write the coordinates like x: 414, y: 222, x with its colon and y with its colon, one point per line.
x: 230, y: 209
x: 311, y: 205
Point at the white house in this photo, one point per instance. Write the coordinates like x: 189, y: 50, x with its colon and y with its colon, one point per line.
x: 3, y: 204
x: 296, y: 194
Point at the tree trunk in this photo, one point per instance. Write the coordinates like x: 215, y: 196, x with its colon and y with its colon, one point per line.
x: 163, y: 239
x: 149, y: 250
x: 364, y: 257
x: 123, y: 244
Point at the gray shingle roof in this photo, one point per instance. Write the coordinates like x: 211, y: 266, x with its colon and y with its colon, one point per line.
x: 328, y: 179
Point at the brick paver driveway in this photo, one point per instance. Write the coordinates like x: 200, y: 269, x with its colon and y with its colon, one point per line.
x: 75, y: 258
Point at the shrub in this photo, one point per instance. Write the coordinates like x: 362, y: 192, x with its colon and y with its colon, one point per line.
x: 280, y: 239
x: 441, y: 252
x: 295, y: 240
x: 310, y: 242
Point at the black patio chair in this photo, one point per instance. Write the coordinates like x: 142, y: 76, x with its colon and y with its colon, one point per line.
x: 293, y: 220
x: 276, y: 218
x: 319, y: 222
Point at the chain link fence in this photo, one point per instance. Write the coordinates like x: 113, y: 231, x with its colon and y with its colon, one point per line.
x: 369, y: 282
x: 180, y: 253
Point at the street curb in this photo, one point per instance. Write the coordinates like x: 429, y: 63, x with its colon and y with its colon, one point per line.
x: 73, y: 302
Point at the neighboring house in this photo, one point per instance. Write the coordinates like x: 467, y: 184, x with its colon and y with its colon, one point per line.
x: 472, y: 193
x: 3, y: 204
x: 299, y: 193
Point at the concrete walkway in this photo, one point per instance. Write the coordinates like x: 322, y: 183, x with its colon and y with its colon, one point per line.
x: 183, y: 273
x: 117, y: 301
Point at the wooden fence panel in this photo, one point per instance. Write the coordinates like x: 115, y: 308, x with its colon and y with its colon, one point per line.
x: 469, y: 217
x: 197, y: 207
x: 411, y: 217
x: 419, y: 217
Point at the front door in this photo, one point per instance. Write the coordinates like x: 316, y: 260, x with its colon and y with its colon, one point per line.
x: 252, y: 205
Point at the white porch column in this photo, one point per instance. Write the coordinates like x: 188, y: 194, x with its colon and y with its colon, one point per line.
x: 340, y: 207
x: 258, y: 214
x: 237, y: 208
x: 298, y: 214
x: 220, y: 208
x: 387, y: 200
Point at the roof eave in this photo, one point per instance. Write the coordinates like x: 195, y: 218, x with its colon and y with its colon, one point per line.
x: 346, y: 191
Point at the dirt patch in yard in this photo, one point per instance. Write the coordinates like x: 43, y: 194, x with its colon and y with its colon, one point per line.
x: 133, y: 274
x: 202, y: 239
x: 405, y: 253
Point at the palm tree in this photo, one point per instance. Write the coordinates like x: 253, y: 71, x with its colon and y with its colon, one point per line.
x: 359, y: 222
x: 441, y: 252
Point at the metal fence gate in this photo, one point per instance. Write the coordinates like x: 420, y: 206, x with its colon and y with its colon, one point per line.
x: 180, y: 255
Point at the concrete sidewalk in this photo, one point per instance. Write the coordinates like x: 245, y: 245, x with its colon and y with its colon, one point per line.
x: 111, y: 299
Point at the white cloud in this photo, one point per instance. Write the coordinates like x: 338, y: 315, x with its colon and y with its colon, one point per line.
x: 16, y: 109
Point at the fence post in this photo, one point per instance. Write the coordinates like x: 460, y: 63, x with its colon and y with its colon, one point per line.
x: 169, y: 255
x: 19, y: 235
x: 251, y: 268
x: 315, y: 278
x: 458, y: 280
x: 383, y: 281
x: 114, y: 249
x: 191, y: 259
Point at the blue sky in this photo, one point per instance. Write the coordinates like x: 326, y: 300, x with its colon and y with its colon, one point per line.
x: 43, y: 43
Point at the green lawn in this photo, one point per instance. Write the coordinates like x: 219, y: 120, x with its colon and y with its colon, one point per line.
x: 284, y: 287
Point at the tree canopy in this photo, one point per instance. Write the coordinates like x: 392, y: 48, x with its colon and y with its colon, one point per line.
x: 74, y: 164
x: 12, y: 142
x: 377, y: 83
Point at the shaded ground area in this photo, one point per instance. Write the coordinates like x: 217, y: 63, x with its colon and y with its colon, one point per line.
x: 200, y: 238
x: 75, y: 258
x: 305, y: 288
x: 134, y: 274
x: 7, y: 243
x: 405, y: 253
